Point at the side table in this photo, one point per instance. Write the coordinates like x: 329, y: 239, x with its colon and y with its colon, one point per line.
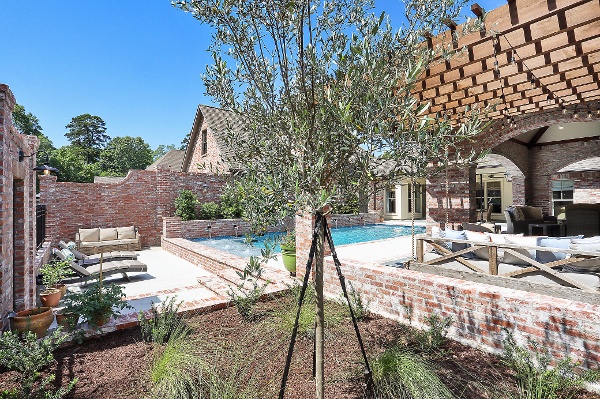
x: 547, y: 228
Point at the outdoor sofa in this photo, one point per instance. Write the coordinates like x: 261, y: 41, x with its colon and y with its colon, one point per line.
x: 583, y: 219
x: 568, y: 261
x: 518, y: 218
x: 96, y: 240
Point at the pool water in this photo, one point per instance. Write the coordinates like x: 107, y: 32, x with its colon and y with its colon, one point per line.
x: 341, y: 236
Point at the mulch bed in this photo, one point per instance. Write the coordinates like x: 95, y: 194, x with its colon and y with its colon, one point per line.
x: 117, y: 365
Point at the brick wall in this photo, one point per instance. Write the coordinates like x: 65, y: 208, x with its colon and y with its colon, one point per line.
x: 142, y: 199
x: 17, y: 212
x: 585, y: 186
x: 480, y: 311
x: 211, y: 161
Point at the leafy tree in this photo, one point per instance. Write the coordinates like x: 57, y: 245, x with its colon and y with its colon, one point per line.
x: 124, y: 153
x: 325, y: 90
x: 162, y: 150
x: 27, y: 123
x: 72, y: 163
x: 88, y: 132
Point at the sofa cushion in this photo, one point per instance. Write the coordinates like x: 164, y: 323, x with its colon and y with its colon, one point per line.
x: 455, y: 235
x: 531, y: 212
x: 518, y: 213
x: 125, y: 232
x: 525, y: 241
x: 591, y: 244
x: 481, y: 253
x: 108, y: 234
x: 553, y: 242
x: 86, y: 235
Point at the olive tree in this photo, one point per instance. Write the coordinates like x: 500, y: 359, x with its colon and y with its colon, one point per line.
x: 324, y: 90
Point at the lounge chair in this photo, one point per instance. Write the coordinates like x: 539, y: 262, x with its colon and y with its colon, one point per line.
x: 111, y: 267
x: 85, y: 260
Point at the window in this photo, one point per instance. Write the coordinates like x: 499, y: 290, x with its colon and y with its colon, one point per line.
x: 390, y: 200
x: 204, y: 142
x: 562, y: 195
x: 490, y: 193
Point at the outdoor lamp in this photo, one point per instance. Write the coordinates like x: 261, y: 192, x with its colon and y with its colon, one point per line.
x: 46, y: 169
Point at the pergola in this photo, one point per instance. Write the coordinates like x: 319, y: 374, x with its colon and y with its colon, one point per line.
x: 532, y: 56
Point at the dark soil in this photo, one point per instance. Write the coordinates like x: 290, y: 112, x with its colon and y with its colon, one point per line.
x: 117, y: 365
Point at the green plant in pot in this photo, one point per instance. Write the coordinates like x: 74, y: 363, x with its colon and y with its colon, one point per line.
x: 52, y: 275
x: 288, y: 252
x: 97, y: 304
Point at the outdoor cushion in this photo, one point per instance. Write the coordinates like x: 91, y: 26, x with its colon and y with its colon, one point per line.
x: 68, y: 254
x: 89, y: 235
x: 125, y: 232
x: 588, y: 265
x: 481, y: 253
x: 553, y: 242
x: 586, y: 244
x: 518, y: 213
x: 512, y: 259
x: 455, y: 235
x: 531, y: 212
x: 108, y: 234
x: 501, y: 238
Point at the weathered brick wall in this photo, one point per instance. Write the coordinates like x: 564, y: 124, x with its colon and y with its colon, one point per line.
x: 480, y: 311
x: 565, y: 327
x: 17, y: 212
x: 142, y: 199
x: 586, y: 188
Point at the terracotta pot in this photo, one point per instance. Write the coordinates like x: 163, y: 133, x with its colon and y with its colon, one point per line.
x: 100, y: 320
x: 67, y: 320
x: 50, y: 297
x: 62, y: 288
x: 35, y: 320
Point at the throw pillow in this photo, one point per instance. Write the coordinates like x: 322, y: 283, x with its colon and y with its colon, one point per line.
x: 519, y: 214
x: 71, y: 245
x: 481, y: 253
x: 67, y: 254
x: 455, y: 235
x: 553, y: 242
x: 514, y: 260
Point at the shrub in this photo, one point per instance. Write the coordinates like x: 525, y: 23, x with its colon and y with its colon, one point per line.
x: 177, y: 369
x: 209, y: 211
x: 359, y: 306
x: 54, y: 272
x: 163, y: 323
x: 249, y: 291
x: 185, y: 205
x: 97, y: 303
x: 28, y: 356
x: 536, y: 378
x: 401, y: 374
x: 231, y: 206
x: 435, y: 336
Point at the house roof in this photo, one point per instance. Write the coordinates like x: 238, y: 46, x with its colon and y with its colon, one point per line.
x: 555, y: 46
x: 172, y: 160
x: 218, y: 121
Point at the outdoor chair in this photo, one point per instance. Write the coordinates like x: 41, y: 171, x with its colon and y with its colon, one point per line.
x: 108, y: 268
x: 479, y: 227
x: 85, y: 260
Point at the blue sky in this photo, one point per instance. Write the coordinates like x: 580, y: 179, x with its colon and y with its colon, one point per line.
x: 137, y: 64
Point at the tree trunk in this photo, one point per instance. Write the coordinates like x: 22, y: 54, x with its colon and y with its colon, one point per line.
x: 320, y: 319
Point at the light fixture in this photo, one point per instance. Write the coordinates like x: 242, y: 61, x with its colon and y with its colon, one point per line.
x: 563, y: 109
x: 575, y: 113
x: 589, y: 115
x: 561, y: 127
x: 532, y: 83
x: 512, y: 57
x: 549, y: 98
x: 46, y: 169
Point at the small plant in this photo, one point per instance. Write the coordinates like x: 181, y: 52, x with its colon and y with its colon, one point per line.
x: 28, y: 356
x: 163, y: 323
x: 401, y: 374
x: 360, y: 307
x: 185, y: 205
x: 536, y: 378
x: 435, y: 336
x: 288, y: 241
x: 53, y: 273
x: 247, y: 294
x: 177, y: 369
x: 97, y: 304
x: 209, y: 211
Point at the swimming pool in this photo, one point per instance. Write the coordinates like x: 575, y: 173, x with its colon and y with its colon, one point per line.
x: 341, y: 236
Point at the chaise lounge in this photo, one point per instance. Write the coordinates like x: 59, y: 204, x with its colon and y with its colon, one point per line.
x: 123, y: 267
x: 84, y: 260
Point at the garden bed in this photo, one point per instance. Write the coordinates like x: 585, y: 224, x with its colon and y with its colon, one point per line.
x: 253, y: 353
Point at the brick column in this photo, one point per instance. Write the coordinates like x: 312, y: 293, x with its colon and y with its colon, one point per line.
x: 460, y: 202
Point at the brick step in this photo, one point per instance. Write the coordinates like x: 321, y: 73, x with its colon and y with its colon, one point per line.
x: 215, y: 284
x: 276, y: 283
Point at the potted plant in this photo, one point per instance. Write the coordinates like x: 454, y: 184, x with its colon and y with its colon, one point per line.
x: 97, y: 304
x: 52, y: 275
x: 288, y: 252
x: 36, y: 320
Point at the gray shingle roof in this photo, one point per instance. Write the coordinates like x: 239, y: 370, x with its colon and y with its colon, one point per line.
x: 172, y: 160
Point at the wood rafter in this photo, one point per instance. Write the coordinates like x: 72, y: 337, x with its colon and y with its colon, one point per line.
x: 557, y: 44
